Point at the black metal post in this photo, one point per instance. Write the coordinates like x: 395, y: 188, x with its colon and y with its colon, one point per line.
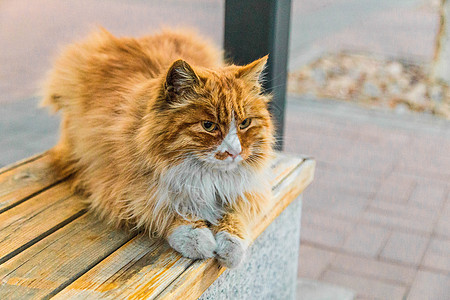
x: 254, y: 28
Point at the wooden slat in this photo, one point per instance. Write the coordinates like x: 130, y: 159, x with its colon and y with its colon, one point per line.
x: 86, y: 246
x: 139, y: 268
x: 32, y: 220
x: 25, y: 180
x: 20, y: 162
x: 143, y: 277
x: 54, y: 262
x: 281, y: 166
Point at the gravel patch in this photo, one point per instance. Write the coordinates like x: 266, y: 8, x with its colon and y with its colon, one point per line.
x: 373, y: 81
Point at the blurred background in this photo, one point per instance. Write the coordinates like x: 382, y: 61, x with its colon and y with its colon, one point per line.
x: 366, y: 99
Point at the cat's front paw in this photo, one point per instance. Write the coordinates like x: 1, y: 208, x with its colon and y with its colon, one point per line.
x: 230, y: 250
x: 193, y: 242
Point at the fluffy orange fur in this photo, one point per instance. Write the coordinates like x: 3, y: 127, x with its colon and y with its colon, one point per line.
x: 133, y: 109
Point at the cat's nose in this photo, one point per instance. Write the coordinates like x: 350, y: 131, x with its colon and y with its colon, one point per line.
x: 233, y: 154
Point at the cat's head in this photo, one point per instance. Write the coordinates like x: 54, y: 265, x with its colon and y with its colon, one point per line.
x: 218, y: 117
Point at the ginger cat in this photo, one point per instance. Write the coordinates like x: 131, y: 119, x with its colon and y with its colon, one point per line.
x: 177, y: 149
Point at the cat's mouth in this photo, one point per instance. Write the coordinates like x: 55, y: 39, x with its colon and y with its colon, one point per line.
x: 227, y: 164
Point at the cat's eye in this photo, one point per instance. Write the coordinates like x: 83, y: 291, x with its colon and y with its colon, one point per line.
x: 244, y: 124
x: 209, y: 126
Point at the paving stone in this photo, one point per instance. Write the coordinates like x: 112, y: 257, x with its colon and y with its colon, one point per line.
x: 412, y: 125
x: 335, y: 202
x: 437, y: 255
x: 377, y: 150
x: 348, y: 181
x: 361, y: 159
x: 322, y: 220
x: 315, y: 290
x: 443, y: 225
x: 443, y: 228
x: 322, y: 229
x: 407, y: 210
x: 375, y: 163
x: 309, y: 124
x: 383, y: 139
x: 425, y: 169
x: 366, y: 240
x: 429, y: 285
x: 405, y: 248
x: 422, y: 218
x: 373, y: 268
x: 310, y: 144
x: 365, y: 287
x: 322, y: 237
x: 316, y: 146
x: 393, y: 222
x: 395, y: 188
x: 313, y: 261
x: 425, y: 145
x: 427, y: 156
x: 429, y: 194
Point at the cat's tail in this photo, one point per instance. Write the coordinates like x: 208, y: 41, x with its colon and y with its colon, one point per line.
x: 51, y: 101
x: 64, y: 84
x: 61, y: 85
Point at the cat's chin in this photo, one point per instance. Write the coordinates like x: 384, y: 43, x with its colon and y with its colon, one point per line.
x: 223, y: 166
x: 227, y: 166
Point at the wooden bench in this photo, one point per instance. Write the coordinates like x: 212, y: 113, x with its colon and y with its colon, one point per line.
x: 51, y: 247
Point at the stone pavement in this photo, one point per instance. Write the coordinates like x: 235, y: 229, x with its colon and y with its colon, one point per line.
x: 377, y: 217
x: 34, y: 32
x: 403, y: 29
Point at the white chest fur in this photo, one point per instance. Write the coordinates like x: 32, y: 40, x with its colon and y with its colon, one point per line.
x: 194, y: 189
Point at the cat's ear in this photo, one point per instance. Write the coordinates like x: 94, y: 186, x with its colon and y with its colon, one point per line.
x: 252, y: 72
x: 180, y: 79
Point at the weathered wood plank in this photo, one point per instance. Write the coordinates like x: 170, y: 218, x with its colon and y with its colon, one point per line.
x: 19, y: 183
x: 20, y: 162
x: 145, y: 277
x: 28, y: 222
x: 139, y: 268
x: 282, y: 166
x: 54, y: 262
